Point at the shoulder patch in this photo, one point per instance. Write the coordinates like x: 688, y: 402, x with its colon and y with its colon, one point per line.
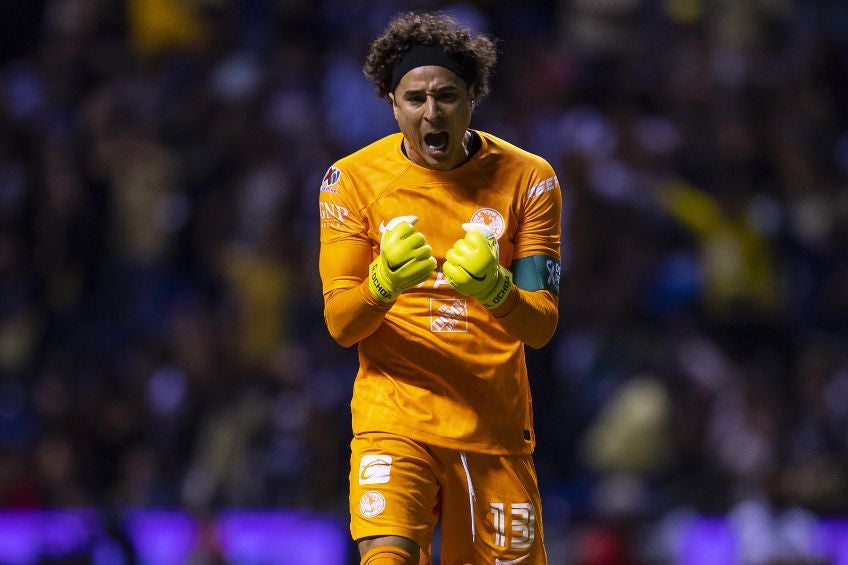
x: 331, y: 178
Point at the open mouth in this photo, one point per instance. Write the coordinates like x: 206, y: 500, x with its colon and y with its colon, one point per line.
x: 437, y: 142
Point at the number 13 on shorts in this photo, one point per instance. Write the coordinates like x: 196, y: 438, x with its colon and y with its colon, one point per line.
x: 521, y: 518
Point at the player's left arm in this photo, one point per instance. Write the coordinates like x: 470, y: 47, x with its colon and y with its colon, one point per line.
x: 530, y: 315
x: 531, y: 311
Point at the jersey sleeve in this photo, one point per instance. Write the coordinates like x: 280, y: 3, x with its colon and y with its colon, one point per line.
x: 345, y: 246
x: 532, y: 313
x: 539, y: 231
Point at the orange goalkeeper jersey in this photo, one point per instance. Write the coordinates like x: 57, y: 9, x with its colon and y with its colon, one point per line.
x: 440, y: 368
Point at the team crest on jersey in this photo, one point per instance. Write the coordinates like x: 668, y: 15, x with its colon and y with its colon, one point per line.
x: 331, y: 177
x: 491, y: 218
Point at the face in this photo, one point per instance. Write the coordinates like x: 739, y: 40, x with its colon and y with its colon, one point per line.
x: 432, y: 106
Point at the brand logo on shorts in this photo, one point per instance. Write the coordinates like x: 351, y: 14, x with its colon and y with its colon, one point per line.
x: 375, y: 469
x: 372, y: 504
x: 491, y: 218
x: 512, y: 562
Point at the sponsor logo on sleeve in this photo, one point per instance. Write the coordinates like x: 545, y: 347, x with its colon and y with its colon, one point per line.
x: 547, y: 185
x: 331, y: 177
x: 332, y: 214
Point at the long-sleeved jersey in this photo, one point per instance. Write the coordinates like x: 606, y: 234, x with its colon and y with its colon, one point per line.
x: 439, y: 367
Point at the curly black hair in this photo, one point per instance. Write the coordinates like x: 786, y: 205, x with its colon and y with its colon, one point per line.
x: 476, y: 52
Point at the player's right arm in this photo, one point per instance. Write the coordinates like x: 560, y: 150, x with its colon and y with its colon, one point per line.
x: 351, y: 312
x: 405, y: 260
x: 358, y: 288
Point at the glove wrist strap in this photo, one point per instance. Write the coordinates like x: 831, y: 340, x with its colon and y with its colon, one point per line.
x: 377, y: 284
x: 500, y: 291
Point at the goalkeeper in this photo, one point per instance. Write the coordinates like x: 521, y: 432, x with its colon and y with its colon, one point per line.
x: 439, y: 259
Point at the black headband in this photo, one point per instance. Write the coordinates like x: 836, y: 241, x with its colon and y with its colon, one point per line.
x: 426, y: 55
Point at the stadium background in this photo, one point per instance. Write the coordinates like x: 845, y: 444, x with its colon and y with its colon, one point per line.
x: 168, y: 390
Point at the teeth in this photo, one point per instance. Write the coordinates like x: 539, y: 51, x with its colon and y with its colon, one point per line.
x: 438, y: 141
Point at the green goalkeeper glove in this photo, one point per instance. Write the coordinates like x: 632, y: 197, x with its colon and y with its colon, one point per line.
x: 471, y: 266
x: 405, y: 260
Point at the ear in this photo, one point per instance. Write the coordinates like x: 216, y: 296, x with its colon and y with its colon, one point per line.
x: 394, y: 106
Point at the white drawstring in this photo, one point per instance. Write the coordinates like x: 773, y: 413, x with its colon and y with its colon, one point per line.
x: 471, y: 496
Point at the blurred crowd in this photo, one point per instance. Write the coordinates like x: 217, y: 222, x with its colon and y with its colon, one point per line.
x: 161, y: 333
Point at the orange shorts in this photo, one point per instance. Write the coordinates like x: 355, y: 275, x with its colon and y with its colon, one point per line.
x: 488, y: 505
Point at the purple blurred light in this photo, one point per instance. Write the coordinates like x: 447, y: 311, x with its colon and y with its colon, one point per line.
x: 708, y: 541
x: 27, y: 534
x: 162, y: 537
x: 833, y: 541
x: 277, y: 539
x: 19, y: 533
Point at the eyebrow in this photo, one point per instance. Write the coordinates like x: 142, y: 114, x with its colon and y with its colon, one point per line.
x: 438, y: 90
